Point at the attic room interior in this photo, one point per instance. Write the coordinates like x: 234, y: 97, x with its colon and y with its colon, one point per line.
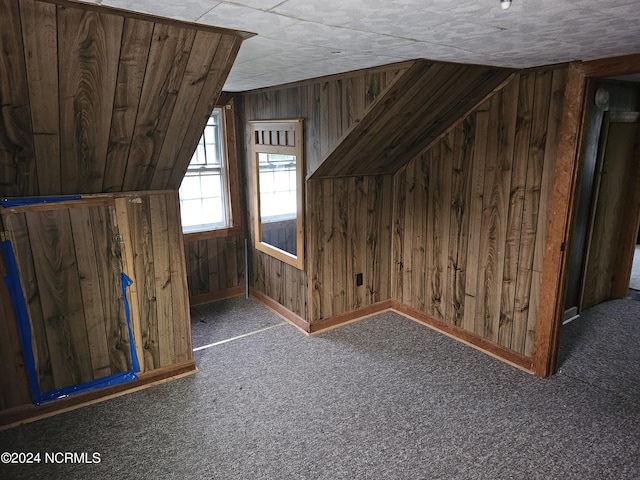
x: 296, y: 232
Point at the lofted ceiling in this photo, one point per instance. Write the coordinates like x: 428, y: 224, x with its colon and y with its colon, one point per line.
x: 300, y: 39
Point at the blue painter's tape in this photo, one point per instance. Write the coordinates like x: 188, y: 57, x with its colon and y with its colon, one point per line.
x: 108, y: 381
x: 12, y: 280
x: 22, y: 201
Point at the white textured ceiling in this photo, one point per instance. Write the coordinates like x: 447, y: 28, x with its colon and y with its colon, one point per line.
x: 300, y: 39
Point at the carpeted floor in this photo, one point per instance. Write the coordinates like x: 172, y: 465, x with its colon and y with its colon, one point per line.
x: 383, y: 398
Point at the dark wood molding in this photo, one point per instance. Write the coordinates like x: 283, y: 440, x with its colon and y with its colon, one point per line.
x: 216, y: 296
x: 613, y: 66
x: 551, y: 300
x: 350, y: 317
x: 479, y: 343
x: 28, y: 413
x: 280, y: 310
x: 147, y: 16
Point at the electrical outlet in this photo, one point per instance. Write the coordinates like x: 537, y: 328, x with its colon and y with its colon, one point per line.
x: 358, y: 279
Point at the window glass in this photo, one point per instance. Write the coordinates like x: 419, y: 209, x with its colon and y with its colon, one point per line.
x: 204, y: 190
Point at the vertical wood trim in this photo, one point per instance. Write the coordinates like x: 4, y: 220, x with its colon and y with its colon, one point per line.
x: 561, y: 208
x: 180, y: 316
x: 129, y: 268
x: 163, y: 287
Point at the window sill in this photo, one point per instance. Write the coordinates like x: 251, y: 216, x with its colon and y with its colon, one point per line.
x: 208, y: 234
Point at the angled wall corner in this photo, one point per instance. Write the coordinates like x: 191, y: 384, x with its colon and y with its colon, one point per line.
x: 419, y: 105
x: 100, y: 100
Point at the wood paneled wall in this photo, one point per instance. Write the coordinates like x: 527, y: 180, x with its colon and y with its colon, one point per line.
x: 154, y: 253
x: 214, y: 265
x: 418, y: 106
x: 349, y: 232
x: 70, y: 256
x: 96, y: 99
x: 329, y: 106
x: 470, y: 214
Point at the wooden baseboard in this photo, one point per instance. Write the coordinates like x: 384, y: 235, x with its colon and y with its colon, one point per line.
x: 468, y: 338
x: 492, y: 349
x: 280, y: 310
x: 217, y: 295
x: 28, y: 413
x: 350, y: 317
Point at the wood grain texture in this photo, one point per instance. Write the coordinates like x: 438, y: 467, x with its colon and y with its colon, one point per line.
x: 17, y: 226
x: 315, y: 101
x: 350, y: 221
x: 417, y: 107
x: 134, y: 53
x: 17, y: 166
x: 90, y: 93
x: 474, y: 203
x: 40, y: 53
x: 14, y: 389
x: 87, y: 79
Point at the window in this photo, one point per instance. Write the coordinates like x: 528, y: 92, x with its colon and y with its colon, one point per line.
x: 204, y: 192
x: 278, y: 189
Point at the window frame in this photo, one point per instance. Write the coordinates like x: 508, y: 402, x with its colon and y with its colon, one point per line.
x: 273, y: 136
x: 230, y: 161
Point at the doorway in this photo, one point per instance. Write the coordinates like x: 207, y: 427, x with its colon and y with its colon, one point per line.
x: 606, y: 227
x: 615, y: 212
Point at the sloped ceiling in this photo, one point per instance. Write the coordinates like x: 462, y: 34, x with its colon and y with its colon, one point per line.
x: 421, y: 104
x: 96, y: 99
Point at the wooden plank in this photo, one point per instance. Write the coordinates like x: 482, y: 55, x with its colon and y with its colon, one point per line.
x: 180, y: 314
x: 314, y: 233
x: 459, y: 220
x: 14, y: 388
x: 548, y: 314
x: 56, y: 268
x: 535, y: 168
x: 210, y: 260
x: 199, y: 63
x: 17, y: 164
x: 108, y: 256
x: 140, y: 232
x: 128, y: 255
x: 408, y: 289
x: 166, y: 64
x: 134, y: 52
x: 220, y: 67
x: 438, y: 227
x: 88, y: 72
x: 39, y: 33
x: 339, y: 273
x: 472, y: 287
x: 16, y: 225
x: 495, y: 206
x: 91, y: 291
x: 399, y: 205
x: 523, y: 126
x: 163, y: 285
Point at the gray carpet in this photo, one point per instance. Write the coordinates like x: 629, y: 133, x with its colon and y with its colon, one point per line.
x: 383, y: 398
